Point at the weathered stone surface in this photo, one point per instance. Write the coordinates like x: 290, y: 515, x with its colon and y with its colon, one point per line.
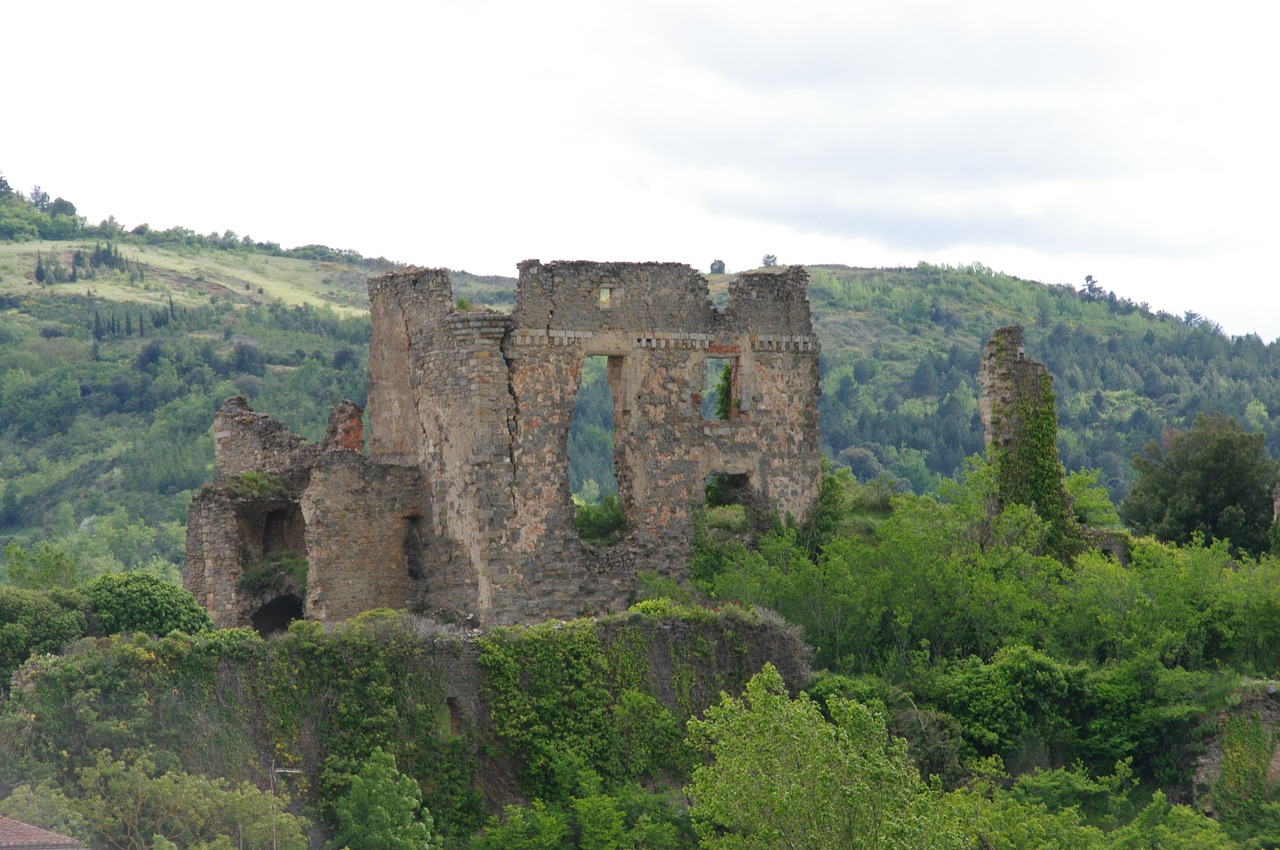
x: 1007, y: 378
x: 462, y: 506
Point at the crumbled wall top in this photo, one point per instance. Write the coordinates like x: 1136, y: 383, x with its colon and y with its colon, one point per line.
x: 1006, y: 376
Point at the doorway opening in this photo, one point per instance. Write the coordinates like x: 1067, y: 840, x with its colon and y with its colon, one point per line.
x: 726, y: 501
x: 276, y: 615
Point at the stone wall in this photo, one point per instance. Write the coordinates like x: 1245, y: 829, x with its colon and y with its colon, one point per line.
x: 1007, y: 377
x: 363, y: 538
x: 462, y: 506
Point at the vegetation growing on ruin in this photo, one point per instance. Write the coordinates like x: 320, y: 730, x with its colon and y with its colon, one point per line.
x: 275, y: 573
x: 573, y: 713
x: 1045, y: 701
x: 603, y: 523
x: 252, y: 484
x: 1029, y: 473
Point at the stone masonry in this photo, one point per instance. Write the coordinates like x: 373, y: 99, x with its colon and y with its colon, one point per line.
x: 1007, y: 378
x: 462, y: 505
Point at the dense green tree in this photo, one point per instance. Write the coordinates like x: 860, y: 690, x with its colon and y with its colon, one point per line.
x: 382, y: 810
x: 42, y: 566
x: 137, y: 602
x: 33, y: 621
x: 1214, y: 480
x: 1163, y: 826
x: 126, y: 804
x: 782, y: 775
x: 61, y: 206
x: 533, y: 827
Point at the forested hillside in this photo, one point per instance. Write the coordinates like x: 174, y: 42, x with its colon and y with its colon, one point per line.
x: 979, y: 680
x: 109, y: 382
x: 901, y: 347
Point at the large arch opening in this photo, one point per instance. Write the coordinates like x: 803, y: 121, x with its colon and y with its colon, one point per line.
x: 276, y: 615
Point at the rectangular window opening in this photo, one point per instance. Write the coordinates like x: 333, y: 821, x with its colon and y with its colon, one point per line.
x: 720, y: 389
x: 724, y: 504
x: 593, y: 474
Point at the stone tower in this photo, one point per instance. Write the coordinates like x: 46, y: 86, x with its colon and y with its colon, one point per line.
x: 1020, y: 423
x: 1010, y: 385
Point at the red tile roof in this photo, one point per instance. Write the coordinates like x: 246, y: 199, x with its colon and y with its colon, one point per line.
x: 16, y: 835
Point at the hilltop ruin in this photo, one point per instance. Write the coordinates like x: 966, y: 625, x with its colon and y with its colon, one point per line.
x: 462, y: 506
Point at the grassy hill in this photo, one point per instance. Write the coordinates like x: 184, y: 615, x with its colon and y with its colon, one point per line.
x: 970, y: 643
x: 108, y: 382
x: 192, y: 277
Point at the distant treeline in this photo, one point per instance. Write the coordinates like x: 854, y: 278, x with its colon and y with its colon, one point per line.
x: 34, y: 216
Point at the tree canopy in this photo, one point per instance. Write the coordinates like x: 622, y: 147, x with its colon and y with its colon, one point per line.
x: 782, y: 775
x: 382, y: 810
x: 1215, y: 480
x: 137, y: 602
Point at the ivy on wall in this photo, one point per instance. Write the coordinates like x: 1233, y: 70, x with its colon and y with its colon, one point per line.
x: 1029, y: 473
x: 574, y: 708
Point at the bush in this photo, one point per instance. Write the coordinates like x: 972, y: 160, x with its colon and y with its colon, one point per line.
x: 602, y: 523
x: 276, y: 572
x: 137, y: 602
x: 33, y: 621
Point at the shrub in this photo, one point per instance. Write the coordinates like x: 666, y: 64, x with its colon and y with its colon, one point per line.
x: 602, y: 523
x: 137, y: 602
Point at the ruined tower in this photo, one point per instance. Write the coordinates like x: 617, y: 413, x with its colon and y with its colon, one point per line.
x: 1020, y: 423
x: 1010, y: 387
x: 462, y: 505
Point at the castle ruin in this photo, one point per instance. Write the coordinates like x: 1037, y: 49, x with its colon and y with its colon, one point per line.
x: 462, y: 505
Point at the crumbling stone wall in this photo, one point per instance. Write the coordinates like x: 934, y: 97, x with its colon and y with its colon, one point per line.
x: 1020, y: 421
x: 323, y: 502
x: 1009, y: 383
x: 462, y: 506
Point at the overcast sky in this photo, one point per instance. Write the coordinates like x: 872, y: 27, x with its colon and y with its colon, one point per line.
x: 1135, y: 142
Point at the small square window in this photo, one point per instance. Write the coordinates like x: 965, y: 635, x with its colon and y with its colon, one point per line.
x: 606, y: 296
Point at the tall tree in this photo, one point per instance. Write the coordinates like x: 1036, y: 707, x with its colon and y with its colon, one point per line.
x: 40, y: 198
x: 382, y: 810
x: 61, y: 206
x: 1215, y: 479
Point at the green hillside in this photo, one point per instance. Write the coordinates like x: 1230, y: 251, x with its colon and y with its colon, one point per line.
x: 901, y: 349
x: 114, y: 422
x: 976, y: 684
x: 108, y: 384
